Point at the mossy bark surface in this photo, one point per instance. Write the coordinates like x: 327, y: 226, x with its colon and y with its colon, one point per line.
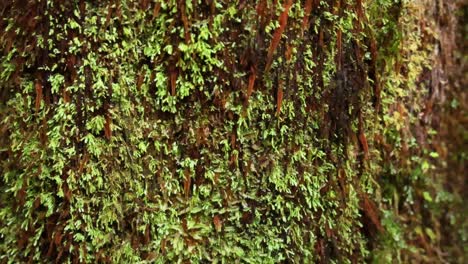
x: 232, y: 131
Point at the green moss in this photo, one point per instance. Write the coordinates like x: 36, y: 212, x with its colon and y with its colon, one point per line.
x: 131, y: 135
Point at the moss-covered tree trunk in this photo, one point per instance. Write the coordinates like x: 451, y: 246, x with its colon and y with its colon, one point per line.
x: 229, y: 131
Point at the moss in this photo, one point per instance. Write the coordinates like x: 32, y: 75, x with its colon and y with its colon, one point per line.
x: 175, y: 131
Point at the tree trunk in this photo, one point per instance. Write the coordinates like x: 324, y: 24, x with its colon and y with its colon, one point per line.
x: 234, y: 131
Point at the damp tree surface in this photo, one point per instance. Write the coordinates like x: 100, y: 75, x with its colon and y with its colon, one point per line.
x: 199, y: 131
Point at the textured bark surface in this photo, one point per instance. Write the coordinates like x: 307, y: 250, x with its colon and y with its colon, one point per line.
x: 233, y: 131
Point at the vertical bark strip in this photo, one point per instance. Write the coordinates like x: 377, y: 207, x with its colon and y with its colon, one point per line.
x: 283, y: 20
x: 185, y: 21
x: 38, y: 87
x: 307, y: 11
